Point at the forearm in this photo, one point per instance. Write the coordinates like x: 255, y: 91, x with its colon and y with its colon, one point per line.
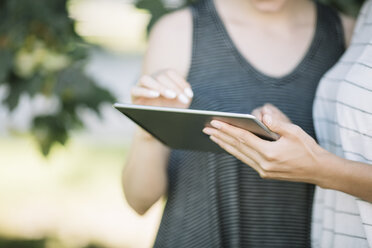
x: 344, y: 175
x: 145, y: 176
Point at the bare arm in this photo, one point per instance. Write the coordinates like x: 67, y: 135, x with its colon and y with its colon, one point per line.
x: 145, y: 174
x: 354, y: 178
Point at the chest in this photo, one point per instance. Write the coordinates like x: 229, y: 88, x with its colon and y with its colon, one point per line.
x: 272, y: 52
x: 241, y: 93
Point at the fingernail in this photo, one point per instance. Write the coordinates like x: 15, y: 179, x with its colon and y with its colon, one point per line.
x: 170, y: 94
x: 216, y: 124
x: 153, y: 94
x: 268, y: 120
x: 207, y: 131
x: 183, y: 99
x: 189, y: 92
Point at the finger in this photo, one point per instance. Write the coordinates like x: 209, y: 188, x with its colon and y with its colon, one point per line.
x: 144, y: 92
x: 247, y: 137
x: 257, y: 113
x: 182, y: 83
x: 236, y: 153
x: 152, y: 84
x: 167, y: 82
x: 234, y: 142
x: 268, y: 108
x: 283, y: 128
x: 272, y: 110
x: 248, y: 156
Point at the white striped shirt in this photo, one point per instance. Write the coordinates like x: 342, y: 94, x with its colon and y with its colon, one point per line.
x: 343, y: 123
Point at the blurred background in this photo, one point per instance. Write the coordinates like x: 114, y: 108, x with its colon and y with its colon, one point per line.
x: 63, y: 63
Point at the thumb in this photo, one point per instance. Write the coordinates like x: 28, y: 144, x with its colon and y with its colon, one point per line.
x: 277, y: 126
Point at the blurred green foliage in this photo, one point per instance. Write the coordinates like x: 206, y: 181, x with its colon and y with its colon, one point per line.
x: 349, y: 7
x: 7, y: 243
x: 40, y: 53
x: 158, y: 8
x: 39, y: 243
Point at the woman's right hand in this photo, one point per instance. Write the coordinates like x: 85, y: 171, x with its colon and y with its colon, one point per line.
x: 165, y: 89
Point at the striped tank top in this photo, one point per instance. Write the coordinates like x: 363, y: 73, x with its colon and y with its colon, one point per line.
x: 214, y: 200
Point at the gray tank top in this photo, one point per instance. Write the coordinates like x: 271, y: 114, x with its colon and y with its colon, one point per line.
x: 214, y: 200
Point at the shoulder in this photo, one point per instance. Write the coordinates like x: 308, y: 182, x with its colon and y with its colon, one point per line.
x: 170, y: 42
x: 348, y: 24
x: 173, y: 20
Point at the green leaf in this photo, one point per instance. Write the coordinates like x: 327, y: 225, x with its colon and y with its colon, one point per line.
x: 48, y: 130
x: 16, y: 87
x: 76, y: 88
x: 6, y: 61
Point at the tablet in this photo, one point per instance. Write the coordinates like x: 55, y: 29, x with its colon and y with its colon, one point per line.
x: 182, y: 128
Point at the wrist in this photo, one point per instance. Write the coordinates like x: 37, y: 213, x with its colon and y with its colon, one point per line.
x: 321, y: 167
x: 330, y: 171
x: 145, y: 137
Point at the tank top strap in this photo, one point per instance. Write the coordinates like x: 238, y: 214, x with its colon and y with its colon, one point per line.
x: 207, y: 35
x: 330, y: 25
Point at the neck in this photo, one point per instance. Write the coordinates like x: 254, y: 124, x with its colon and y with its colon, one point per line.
x: 244, y: 11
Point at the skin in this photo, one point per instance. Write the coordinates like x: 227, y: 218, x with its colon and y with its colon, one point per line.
x: 294, y: 157
x: 271, y: 34
x: 144, y: 175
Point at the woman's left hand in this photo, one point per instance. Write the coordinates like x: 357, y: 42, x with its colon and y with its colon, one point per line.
x: 294, y: 156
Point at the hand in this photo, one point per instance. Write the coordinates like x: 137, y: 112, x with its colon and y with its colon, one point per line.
x: 269, y: 109
x: 295, y: 156
x: 165, y: 89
